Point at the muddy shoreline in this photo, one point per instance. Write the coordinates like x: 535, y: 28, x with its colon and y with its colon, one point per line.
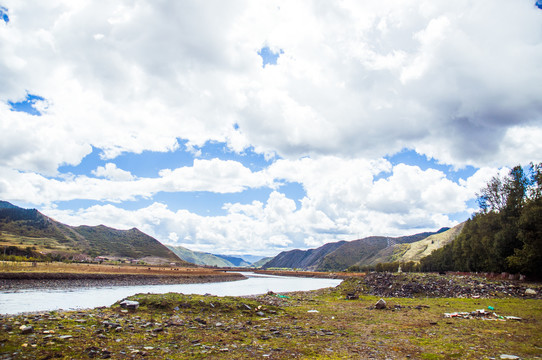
x: 310, y: 274
x: 35, y: 280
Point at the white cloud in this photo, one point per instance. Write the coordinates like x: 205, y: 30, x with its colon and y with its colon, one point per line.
x: 457, y: 81
x: 112, y: 172
x: 119, y: 185
x: 448, y: 79
x: 343, y: 202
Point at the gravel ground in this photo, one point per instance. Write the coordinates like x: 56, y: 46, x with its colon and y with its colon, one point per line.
x: 449, y: 286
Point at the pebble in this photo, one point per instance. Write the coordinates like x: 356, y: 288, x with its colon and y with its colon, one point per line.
x: 26, y: 329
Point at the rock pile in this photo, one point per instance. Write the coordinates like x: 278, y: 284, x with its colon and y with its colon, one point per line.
x: 432, y: 285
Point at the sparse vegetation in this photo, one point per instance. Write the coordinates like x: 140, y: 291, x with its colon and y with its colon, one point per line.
x: 304, y: 325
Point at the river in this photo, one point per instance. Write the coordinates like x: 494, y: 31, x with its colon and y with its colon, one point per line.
x: 84, y: 298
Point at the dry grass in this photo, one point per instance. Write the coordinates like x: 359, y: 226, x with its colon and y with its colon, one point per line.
x: 179, y: 326
x: 76, y: 268
x: 335, y: 275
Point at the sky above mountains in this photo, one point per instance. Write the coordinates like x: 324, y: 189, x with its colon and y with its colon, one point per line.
x: 255, y: 127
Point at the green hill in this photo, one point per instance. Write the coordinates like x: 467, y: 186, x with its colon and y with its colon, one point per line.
x: 260, y: 263
x: 29, y: 229
x: 207, y: 259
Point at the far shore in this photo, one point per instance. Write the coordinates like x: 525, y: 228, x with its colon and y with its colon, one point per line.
x: 60, y: 275
x: 311, y: 274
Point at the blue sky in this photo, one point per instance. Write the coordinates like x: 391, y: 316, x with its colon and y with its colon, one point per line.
x: 308, y: 125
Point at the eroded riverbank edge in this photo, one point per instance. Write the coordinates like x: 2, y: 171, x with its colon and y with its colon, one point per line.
x: 12, y: 281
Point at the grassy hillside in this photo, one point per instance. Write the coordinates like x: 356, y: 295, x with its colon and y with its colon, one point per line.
x: 405, y: 251
x: 199, y: 258
x: 354, y: 252
x: 260, y: 263
x: 29, y: 229
x: 302, y: 259
x: 123, y: 243
x: 424, y: 247
x: 234, y: 260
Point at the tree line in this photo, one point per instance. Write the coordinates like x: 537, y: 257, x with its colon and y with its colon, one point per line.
x: 505, y: 235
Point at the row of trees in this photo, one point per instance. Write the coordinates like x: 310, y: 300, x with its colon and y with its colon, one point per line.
x: 506, y: 235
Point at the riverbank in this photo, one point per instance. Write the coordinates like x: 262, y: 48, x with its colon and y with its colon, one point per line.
x: 318, y: 324
x: 311, y: 274
x: 12, y: 282
x: 60, y: 275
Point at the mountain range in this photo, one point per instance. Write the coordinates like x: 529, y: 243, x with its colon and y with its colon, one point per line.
x: 40, y: 235
x: 31, y: 230
x: 368, y: 251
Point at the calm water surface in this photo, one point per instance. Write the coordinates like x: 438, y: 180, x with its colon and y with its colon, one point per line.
x: 83, y: 298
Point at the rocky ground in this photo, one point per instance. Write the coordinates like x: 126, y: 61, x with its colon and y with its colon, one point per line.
x: 319, y: 324
x: 444, y: 286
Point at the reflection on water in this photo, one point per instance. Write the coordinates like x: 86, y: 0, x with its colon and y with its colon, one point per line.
x: 84, y: 298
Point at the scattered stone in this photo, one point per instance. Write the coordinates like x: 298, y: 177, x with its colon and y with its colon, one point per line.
x: 530, y: 292
x: 481, y: 314
x: 259, y: 313
x: 65, y: 337
x: 430, y: 285
x: 129, y: 304
x: 312, y: 311
x: 380, y: 304
x: 201, y: 321
x: 352, y: 296
x: 504, y: 356
x: 26, y: 329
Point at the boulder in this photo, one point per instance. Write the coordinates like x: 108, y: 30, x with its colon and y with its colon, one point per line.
x: 380, y: 304
x: 129, y: 304
x: 530, y: 292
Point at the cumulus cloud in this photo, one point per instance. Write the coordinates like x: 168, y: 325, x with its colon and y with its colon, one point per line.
x: 457, y: 81
x: 214, y: 175
x: 344, y: 204
x: 454, y: 80
x: 112, y: 172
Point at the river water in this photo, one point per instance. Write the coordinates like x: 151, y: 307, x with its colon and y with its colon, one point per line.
x: 84, y: 298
